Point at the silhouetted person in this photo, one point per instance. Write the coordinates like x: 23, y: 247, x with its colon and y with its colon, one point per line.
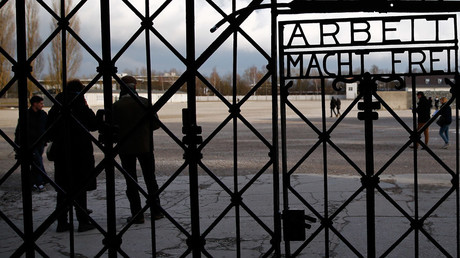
x: 444, y: 120
x: 136, y: 144
x: 423, y: 115
x: 73, y: 152
x: 436, y: 102
x: 338, y: 104
x: 333, y: 104
x: 36, y: 126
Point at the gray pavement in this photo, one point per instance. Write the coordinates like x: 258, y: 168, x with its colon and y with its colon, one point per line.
x: 398, y: 185
x: 220, y: 242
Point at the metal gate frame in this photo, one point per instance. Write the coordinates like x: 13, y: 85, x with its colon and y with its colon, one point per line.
x: 369, y: 176
x: 191, y: 143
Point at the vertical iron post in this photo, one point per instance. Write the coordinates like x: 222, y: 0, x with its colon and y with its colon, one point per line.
x: 148, y: 57
x: 21, y: 70
x: 367, y: 88
x: 274, y: 152
x: 283, y: 99
x: 235, y: 140
x: 107, y: 69
x: 191, y: 130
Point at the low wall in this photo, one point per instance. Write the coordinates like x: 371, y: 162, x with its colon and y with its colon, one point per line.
x: 397, y: 100
x: 8, y: 102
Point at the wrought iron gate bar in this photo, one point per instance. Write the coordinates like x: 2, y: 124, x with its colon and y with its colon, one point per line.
x: 200, y: 61
x: 128, y: 43
x: 326, y: 223
x: 10, y: 59
x: 347, y: 158
x: 235, y: 109
x: 214, y: 133
x: 302, y: 116
x: 192, y: 144
x: 168, y: 45
x: 21, y: 71
x: 323, y: 137
x: 8, y: 85
x: 370, y: 180
x: 217, y: 180
x: 160, y: 9
x: 255, y: 131
x: 346, y: 242
x: 213, y: 89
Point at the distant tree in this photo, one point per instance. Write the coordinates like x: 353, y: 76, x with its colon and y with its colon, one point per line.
x: 374, y: 69
x: 242, y: 86
x: 201, y: 89
x: 73, y: 55
x: 173, y: 71
x: 214, y: 79
x: 33, y: 42
x: 7, y: 43
x: 316, y: 83
x: 227, y: 82
x: 143, y: 71
x: 328, y: 89
x: 266, y: 87
x: 252, y: 76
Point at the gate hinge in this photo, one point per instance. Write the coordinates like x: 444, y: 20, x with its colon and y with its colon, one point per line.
x: 294, y: 224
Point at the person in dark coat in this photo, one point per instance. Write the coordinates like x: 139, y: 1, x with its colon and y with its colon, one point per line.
x: 136, y: 144
x: 73, y: 151
x: 36, y: 127
x: 444, y: 120
x: 423, y: 115
x: 436, y: 102
x: 333, y: 105
x: 338, y: 104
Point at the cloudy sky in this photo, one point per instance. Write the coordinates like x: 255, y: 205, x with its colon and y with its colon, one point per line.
x: 170, y: 23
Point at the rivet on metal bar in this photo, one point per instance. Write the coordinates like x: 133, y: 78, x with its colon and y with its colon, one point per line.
x: 234, y: 110
x: 370, y: 181
x: 416, y: 224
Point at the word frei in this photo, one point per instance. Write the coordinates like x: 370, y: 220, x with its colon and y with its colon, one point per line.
x: 341, y: 47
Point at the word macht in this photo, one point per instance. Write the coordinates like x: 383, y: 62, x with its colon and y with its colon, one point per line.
x: 404, y: 44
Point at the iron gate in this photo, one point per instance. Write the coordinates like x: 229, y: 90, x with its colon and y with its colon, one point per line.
x: 193, y: 140
x: 304, y: 56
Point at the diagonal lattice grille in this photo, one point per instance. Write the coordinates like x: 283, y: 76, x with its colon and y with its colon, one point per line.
x: 233, y: 156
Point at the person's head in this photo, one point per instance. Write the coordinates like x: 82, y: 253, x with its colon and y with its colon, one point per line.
x: 420, y: 94
x: 443, y: 100
x: 130, y: 81
x: 75, y: 85
x: 36, y: 103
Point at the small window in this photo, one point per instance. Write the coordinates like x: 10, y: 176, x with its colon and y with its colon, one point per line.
x: 439, y: 81
x: 427, y: 81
